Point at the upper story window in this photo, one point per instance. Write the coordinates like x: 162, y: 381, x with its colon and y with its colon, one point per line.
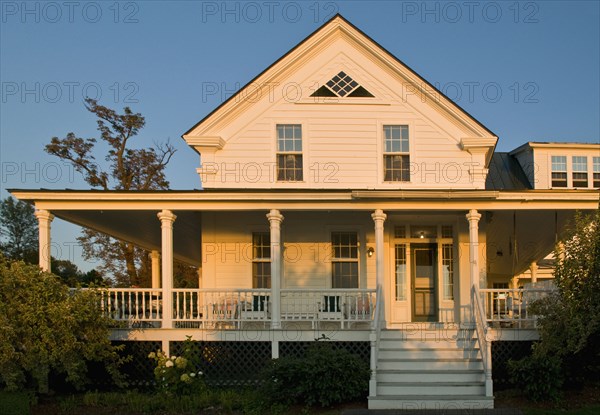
x: 596, y: 165
x: 580, y: 175
x: 559, y: 171
x: 342, y: 85
x: 344, y: 260
x: 289, y: 153
x: 396, y: 158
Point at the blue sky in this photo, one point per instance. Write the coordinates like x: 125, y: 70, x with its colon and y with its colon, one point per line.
x: 529, y: 71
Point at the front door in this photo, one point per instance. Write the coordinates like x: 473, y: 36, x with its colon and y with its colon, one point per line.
x: 424, y: 276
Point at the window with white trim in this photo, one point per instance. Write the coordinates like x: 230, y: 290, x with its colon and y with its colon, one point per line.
x: 596, y: 166
x: 396, y: 157
x: 400, y: 266
x: 261, y: 260
x: 448, y: 271
x: 580, y: 175
x: 289, y: 153
x: 559, y: 171
x: 344, y: 260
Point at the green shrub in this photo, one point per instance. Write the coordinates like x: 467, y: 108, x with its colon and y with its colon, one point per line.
x: 325, y: 376
x: 540, y: 377
x: 179, y: 375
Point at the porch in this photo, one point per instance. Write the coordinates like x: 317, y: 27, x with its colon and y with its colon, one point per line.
x: 227, y: 309
x: 302, y: 309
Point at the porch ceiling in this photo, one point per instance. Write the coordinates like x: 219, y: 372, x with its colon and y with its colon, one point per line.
x: 142, y: 228
x: 517, y: 238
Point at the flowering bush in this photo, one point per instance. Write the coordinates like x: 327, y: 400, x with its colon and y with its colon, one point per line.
x: 178, y: 374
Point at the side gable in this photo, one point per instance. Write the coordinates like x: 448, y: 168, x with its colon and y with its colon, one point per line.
x: 341, y: 88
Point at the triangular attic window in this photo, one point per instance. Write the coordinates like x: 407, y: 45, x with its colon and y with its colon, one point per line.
x: 342, y: 85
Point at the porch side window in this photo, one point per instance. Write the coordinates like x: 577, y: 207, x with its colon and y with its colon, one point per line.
x: 448, y: 271
x: 400, y: 265
x: 396, y: 158
x: 289, y: 153
x: 596, y: 161
x: 559, y: 171
x: 261, y: 260
x: 580, y: 175
x: 344, y: 261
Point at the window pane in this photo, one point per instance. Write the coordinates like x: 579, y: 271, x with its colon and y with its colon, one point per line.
x: 345, y: 275
x: 261, y: 245
x: 395, y: 138
x: 396, y: 168
x: 448, y: 271
x: 580, y: 179
x: 596, y: 164
x: 579, y: 164
x: 559, y: 179
x: 399, y: 232
x: 344, y: 245
x: 559, y: 163
x: 447, y: 231
x: 289, y: 167
x: 400, y: 265
x: 261, y: 275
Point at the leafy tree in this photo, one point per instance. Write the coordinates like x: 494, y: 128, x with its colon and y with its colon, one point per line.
x: 569, y: 319
x: 45, y: 328
x: 18, y: 229
x: 127, y: 169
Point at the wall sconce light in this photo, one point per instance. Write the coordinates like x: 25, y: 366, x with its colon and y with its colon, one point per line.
x: 421, y: 235
x: 370, y: 251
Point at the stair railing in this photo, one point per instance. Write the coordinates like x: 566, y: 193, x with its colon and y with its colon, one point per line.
x: 374, y: 338
x: 484, y: 345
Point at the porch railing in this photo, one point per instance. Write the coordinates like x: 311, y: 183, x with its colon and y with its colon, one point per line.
x: 509, y: 308
x: 484, y: 345
x: 228, y: 308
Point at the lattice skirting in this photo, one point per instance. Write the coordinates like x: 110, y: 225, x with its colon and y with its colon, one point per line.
x: 502, y: 352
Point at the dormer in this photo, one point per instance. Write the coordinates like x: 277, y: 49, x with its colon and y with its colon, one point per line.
x: 551, y: 165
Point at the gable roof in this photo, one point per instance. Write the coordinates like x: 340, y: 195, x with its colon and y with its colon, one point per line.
x: 505, y: 173
x: 339, y: 21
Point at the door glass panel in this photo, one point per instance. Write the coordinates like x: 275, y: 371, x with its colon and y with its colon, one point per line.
x: 423, y: 268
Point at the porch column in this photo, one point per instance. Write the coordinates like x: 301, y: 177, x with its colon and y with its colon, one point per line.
x: 379, y: 217
x: 44, y: 219
x: 533, y: 267
x: 166, y: 220
x: 473, y: 217
x: 155, y: 258
x: 275, y: 219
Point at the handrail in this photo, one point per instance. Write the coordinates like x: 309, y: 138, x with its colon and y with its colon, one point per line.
x: 510, y: 306
x: 375, y: 338
x: 485, y: 346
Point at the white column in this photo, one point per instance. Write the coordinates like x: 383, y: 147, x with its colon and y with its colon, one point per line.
x: 473, y: 218
x: 44, y: 219
x: 155, y: 258
x: 275, y: 219
x: 533, y: 267
x: 166, y: 220
x: 379, y: 217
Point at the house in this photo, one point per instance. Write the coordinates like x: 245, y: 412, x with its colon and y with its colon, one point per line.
x: 342, y: 194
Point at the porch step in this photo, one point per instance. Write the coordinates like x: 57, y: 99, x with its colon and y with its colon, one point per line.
x: 415, y: 402
x: 428, y: 353
x: 430, y: 376
x: 429, y: 366
x: 431, y: 388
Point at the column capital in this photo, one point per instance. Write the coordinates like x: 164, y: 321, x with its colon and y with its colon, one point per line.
x: 154, y: 254
x: 166, y: 216
x: 43, y: 215
x: 473, y: 215
x: 378, y: 215
x: 275, y: 216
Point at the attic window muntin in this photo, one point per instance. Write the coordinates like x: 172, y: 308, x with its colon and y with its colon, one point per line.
x: 342, y: 85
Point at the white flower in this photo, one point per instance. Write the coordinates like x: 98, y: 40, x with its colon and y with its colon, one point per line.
x: 193, y: 374
x: 200, y: 373
x: 169, y: 363
x: 152, y: 355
